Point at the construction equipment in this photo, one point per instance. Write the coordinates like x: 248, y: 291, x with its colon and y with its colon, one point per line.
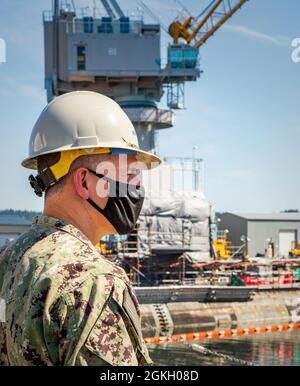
x: 223, y: 245
x: 196, y: 31
x: 120, y: 56
x: 295, y: 251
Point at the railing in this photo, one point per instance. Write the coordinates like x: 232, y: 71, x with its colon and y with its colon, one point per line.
x: 143, y: 269
x: 211, y: 278
x: 140, y: 254
x: 267, y: 275
x: 218, y: 274
x: 96, y: 26
x: 148, y: 241
x: 48, y: 15
x: 96, y: 13
x: 150, y: 115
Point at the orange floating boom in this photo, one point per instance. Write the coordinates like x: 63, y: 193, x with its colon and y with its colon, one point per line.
x: 220, y: 334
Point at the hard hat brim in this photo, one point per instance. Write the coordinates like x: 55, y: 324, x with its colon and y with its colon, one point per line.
x: 146, y: 160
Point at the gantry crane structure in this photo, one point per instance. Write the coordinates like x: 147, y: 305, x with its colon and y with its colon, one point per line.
x: 120, y: 56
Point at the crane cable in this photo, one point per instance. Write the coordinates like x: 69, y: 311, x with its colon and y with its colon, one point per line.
x: 206, y: 9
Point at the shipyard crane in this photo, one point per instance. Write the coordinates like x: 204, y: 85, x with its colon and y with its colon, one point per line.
x: 189, y: 33
x: 120, y: 56
x: 197, y: 30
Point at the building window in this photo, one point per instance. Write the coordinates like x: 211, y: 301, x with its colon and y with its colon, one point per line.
x: 81, y: 58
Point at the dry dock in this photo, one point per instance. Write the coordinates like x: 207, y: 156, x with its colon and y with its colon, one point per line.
x: 184, y: 310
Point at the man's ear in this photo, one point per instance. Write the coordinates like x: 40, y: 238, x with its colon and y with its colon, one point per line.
x: 81, y: 182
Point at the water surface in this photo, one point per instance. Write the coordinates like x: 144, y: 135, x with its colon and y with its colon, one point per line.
x: 269, y: 349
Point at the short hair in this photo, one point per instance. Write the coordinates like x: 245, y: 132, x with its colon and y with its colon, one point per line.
x: 87, y: 161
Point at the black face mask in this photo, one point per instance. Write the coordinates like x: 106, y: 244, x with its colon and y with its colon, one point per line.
x: 121, y: 211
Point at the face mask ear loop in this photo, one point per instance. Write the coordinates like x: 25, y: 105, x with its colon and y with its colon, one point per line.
x: 89, y: 200
x: 94, y: 205
x: 101, y: 176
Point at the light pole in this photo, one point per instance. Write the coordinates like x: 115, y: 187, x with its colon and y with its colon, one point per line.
x: 195, y: 182
x: 244, y: 239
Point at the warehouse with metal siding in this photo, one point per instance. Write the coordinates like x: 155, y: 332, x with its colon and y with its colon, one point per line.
x: 11, y: 226
x: 282, y: 228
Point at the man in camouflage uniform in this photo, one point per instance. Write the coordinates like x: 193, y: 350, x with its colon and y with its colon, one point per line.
x: 61, y: 302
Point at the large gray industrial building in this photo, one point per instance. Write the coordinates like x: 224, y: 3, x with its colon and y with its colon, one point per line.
x: 11, y: 226
x: 283, y: 229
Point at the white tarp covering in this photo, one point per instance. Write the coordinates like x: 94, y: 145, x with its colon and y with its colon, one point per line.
x: 192, y: 206
x: 179, y: 221
x: 197, y: 257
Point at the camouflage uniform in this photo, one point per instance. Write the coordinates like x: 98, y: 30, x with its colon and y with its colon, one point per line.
x: 62, y: 303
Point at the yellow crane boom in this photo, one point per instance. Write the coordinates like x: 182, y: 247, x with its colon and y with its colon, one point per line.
x: 215, y: 15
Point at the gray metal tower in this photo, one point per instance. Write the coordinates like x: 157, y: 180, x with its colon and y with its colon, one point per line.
x: 118, y: 56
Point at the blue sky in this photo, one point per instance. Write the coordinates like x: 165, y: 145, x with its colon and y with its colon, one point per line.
x: 243, y: 114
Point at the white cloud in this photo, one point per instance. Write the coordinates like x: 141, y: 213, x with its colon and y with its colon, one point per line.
x: 31, y: 91
x: 279, y: 40
x: 16, y: 86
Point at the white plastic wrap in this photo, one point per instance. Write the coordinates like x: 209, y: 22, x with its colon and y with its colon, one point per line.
x: 176, y: 222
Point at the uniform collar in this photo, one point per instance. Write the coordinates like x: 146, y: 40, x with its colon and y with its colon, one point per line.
x: 46, y: 221
x: 51, y: 222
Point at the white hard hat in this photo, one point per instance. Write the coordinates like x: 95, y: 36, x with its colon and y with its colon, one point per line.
x: 82, y: 123
x: 83, y: 120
